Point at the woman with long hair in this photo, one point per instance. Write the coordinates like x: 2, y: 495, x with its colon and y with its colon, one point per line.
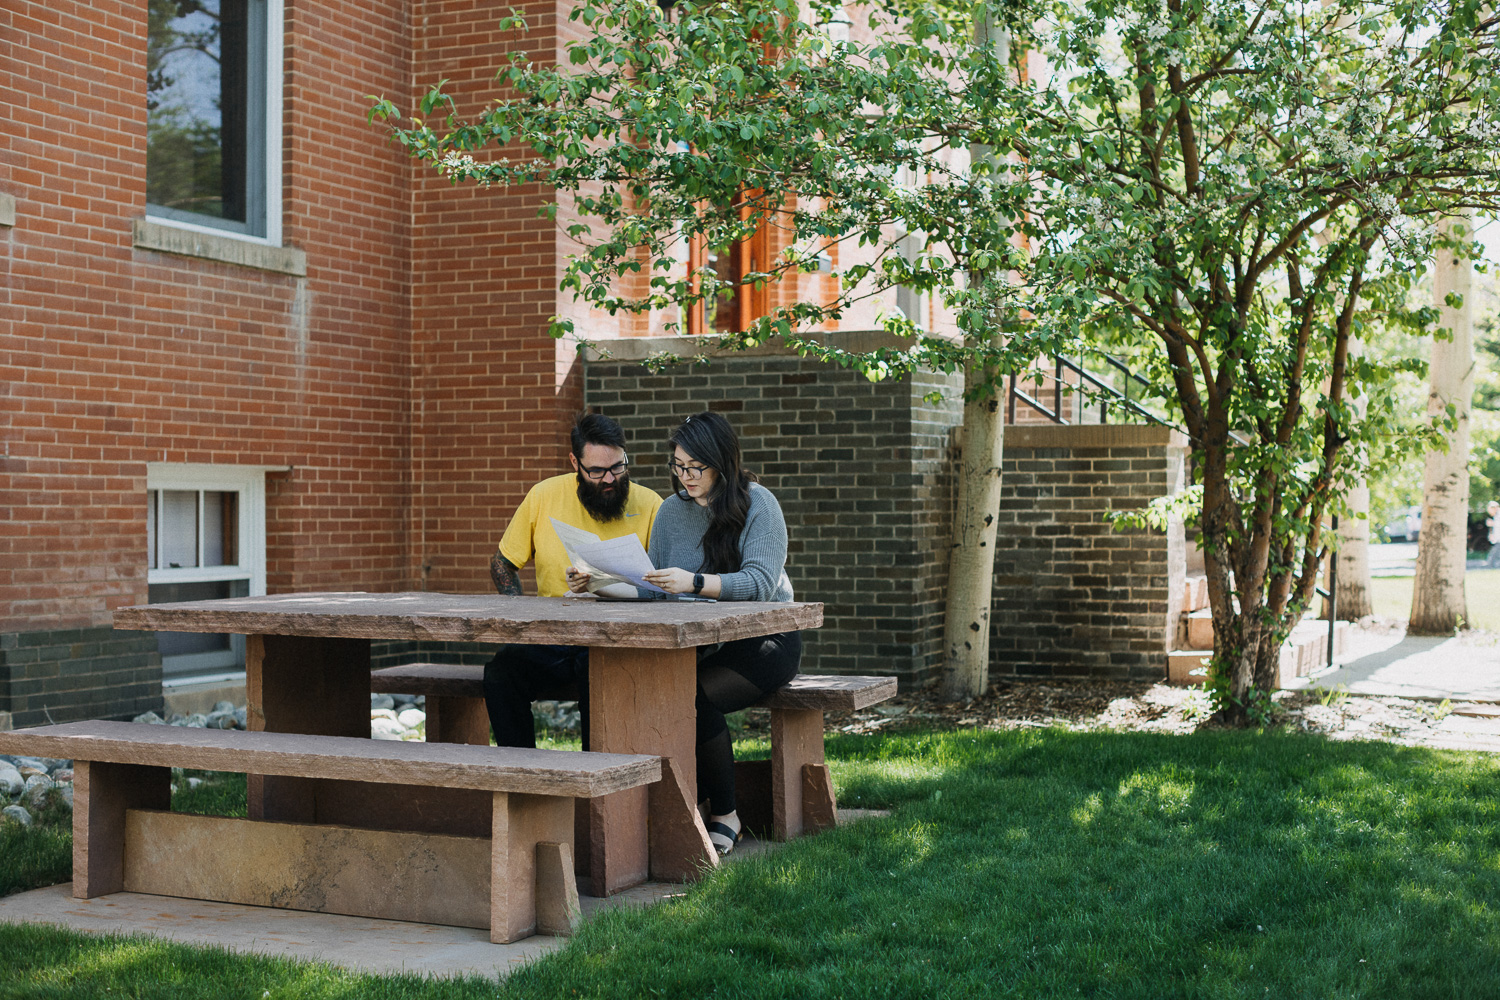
x: 721, y: 535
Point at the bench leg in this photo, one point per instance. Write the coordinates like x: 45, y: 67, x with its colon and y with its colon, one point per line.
x: 457, y: 720
x: 801, y: 793
x: 517, y: 885
x: 101, y: 794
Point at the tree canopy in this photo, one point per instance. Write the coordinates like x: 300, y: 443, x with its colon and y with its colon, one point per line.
x: 1229, y: 191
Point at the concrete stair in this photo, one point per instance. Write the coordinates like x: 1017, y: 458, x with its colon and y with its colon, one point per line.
x: 1305, y: 652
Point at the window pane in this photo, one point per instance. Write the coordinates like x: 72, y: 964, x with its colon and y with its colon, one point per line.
x: 221, y: 528
x: 198, y: 652
x: 197, y: 117
x: 179, y: 528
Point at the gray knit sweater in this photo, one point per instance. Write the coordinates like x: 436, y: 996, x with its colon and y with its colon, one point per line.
x: 677, y: 540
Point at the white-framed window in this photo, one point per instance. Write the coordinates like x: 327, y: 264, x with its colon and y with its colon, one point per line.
x: 205, y: 539
x: 213, y: 116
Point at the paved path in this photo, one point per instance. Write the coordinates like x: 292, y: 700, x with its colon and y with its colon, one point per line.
x: 1465, y: 668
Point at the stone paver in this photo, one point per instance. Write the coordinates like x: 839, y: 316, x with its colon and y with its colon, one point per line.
x: 360, y: 944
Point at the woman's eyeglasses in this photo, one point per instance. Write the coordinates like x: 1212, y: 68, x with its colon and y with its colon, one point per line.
x: 617, y: 470
x: 694, y: 472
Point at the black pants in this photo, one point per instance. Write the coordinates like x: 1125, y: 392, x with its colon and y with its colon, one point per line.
x: 521, y: 674
x: 732, y: 677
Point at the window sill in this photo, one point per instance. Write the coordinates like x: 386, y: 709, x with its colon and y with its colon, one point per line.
x: 225, y: 249
x: 7, y: 209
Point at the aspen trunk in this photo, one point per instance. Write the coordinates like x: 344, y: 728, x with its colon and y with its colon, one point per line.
x: 1353, y: 589
x: 971, y: 563
x: 1438, y: 604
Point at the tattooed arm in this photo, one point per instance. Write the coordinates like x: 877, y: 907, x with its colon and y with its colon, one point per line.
x: 507, y: 577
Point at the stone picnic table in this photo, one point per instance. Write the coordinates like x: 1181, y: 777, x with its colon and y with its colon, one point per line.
x: 307, y: 670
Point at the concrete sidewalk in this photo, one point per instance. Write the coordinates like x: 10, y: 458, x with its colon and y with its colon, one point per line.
x: 1459, y: 668
x: 360, y: 944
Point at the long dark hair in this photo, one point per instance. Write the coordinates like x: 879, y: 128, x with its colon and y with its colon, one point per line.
x: 708, y: 439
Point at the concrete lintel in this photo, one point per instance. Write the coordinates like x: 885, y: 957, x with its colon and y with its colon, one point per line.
x: 224, y: 248
x: 7, y: 209
x: 641, y: 348
x: 1092, y: 436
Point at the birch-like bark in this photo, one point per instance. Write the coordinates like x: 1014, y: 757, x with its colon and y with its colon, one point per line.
x: 1353, y: 589
x: 971, y: 563
x: 1438, y: 603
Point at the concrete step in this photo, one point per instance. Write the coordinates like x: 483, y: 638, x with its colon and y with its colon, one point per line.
x: 1200, y: 629
x: 1188, y: 666
x: 1194, y: 593
x: 1305, y: 652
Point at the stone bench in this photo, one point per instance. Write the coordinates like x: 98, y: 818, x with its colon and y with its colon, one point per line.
x: 516, y: 881
x: 788, y: 795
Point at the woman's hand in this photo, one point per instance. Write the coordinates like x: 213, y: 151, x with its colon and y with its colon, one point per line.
x: 672, y: 580
x: 577, y: 582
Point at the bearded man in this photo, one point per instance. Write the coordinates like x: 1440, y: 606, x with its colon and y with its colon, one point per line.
x: 598, y: 497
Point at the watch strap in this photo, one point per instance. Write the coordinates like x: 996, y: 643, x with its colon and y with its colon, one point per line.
x: 697, y: 583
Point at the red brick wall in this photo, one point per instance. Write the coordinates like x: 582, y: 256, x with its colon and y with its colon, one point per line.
x: 113, y: 356
x: 494, y: 394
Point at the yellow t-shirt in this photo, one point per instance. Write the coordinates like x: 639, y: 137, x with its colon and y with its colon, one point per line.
x: 530, y: 531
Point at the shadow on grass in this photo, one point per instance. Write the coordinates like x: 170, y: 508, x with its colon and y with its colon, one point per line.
x: 1048, y: 863
x: 1038, y: 863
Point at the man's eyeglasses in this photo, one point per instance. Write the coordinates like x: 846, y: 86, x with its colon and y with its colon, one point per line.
x: 693, y: 472
x: 617, y: 470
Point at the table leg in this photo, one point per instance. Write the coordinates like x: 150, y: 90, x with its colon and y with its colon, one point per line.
x: 641, y: 701
x: 302, y: 684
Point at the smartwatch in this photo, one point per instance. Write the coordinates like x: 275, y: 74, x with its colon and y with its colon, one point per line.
x: 697, y: 583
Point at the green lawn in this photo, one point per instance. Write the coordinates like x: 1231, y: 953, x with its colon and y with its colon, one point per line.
x: 1391, y: 596
x: 1034, y: 863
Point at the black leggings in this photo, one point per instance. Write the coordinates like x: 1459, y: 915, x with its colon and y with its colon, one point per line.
x: 732, y: 677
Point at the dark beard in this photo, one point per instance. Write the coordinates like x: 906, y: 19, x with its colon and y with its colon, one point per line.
x: 604, y: 503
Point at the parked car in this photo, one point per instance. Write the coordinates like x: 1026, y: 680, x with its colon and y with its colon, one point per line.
x: 1407, y: 526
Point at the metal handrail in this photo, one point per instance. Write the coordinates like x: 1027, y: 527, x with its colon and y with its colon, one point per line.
x: 1104, y: 389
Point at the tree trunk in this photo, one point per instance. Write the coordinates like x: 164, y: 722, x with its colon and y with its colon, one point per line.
x: 1438, y: 605
x: 971, y: 564
x: 1353, y: 586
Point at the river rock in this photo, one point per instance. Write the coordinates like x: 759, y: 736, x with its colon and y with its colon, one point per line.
x: 150, y: 718
x: 382, y: 701
x: 220, y: 720
x: 221, y: 707
x: 382, y: 728
x: 412, y: 718
x: 16, y: 814
x: 241, y: 715
x: 35, y: 792
x: 63, y: 776
x: 11, y: 780
x: 197, y: 721
x: 67, y: 795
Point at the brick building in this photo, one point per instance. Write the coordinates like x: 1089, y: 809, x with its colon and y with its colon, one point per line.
x: 321, y: 368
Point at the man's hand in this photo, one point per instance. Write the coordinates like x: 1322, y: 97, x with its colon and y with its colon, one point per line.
x: 507, y: 577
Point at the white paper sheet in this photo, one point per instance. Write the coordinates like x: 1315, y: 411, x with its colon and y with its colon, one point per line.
x: 621, y: 558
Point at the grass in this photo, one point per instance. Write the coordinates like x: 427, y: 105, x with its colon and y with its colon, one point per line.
x: 1034, y: 863
x: 1391, y: 597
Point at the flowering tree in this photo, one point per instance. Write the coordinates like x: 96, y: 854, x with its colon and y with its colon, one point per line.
x: 1230, y: 190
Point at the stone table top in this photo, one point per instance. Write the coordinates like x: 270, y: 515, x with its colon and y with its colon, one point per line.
x: 425, y: 616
